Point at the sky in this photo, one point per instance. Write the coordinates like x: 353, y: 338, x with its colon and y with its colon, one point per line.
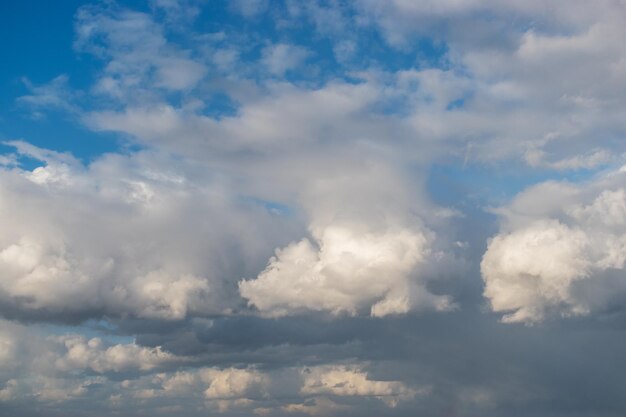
x: 323, y: 208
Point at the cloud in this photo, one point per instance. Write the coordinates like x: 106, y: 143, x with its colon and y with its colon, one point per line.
x: 280, y: 58
x: 57, y: 263
x: 367, y: 255
x: 261, y: 239
x: 560, y: 251
x: 138, y: 56
x: 249, y: 8
x: 55, y: 95
x: 93, y: 354
x: 344, y: 381
x: 233, y: 383
x: 315, y: 407
x: 9, y: 390
x: 347, y: 272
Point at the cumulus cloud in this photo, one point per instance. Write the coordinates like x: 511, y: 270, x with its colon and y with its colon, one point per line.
x: 148, y: 254
x: 345, y: 381
x: 233, y: 383
x: 93, y: 354
x: 366, y: 256
x: 345, y: 271
x: 221, y: 389
x: 560, y: 250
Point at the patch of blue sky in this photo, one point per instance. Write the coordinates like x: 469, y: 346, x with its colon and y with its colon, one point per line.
x: 24, y: 162
x: 250, y: 35
x: 273, y: 207
x: 219, y: 105
x: 470, y: 185
x: 90, y: 329
x: 457, y: 104
x: 36, y: 40
x: 59, y: 134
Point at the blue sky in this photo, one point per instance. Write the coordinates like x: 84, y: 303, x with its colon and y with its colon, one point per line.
x: 333, y: 208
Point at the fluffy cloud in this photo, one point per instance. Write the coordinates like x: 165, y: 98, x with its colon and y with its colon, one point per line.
x: 233, y: 383
x: 346, y: 271
x: 561, y: 250
x: 368, y: 256
x: 345, y: 381
x: 222, y: 389
x: 558, y: 65
x: 93, y: 354
x: 152, y: 252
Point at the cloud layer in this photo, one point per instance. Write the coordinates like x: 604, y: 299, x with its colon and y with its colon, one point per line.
x: 294, y: 214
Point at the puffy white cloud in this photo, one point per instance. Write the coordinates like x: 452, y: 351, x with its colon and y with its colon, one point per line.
x: 346, y: 271
x: 51, y: 389
x: 368, y: 255
x: 95, y: 355
x: 233, y: 383
x: 60, y: 368
x: 120, y: 237
x: 352, y: 381
x: 560, y: 250
x: 366, y: 245
x: 222, y: 389
x: 535, y: 267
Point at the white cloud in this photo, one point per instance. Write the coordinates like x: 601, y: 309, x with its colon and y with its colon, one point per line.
x: 51, y: 389
x: 561, y: 250
x: 95, y: 355
x: 55, y: 95
x: 281, y: 57
x: 138, y: 55
x: 345, y: 271
x: 155, y: 250
x: 351, y: 381
x: 557, y: 65
x: 233, y: 383
x: 368, y: 256
x: 532, y: 268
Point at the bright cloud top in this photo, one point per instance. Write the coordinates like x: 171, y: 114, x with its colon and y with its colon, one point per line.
x: 348, y: 271
x: 562, y: 249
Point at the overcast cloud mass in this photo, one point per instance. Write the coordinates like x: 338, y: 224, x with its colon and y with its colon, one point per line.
x: 313, y: 208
